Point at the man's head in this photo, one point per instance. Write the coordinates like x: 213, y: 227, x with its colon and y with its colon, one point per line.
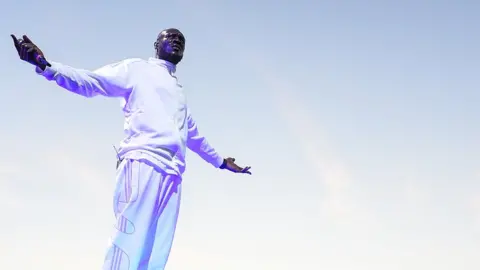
x: 170, y: 45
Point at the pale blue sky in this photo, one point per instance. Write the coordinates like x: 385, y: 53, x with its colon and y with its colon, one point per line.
x: 359, y: 118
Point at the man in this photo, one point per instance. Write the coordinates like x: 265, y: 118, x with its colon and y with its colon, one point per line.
x: 159, y: 128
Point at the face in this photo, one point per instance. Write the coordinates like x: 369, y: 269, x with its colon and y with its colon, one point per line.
x: 170, y: 45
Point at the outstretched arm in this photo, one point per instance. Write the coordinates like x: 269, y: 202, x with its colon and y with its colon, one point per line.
x: 200, y: 145
x: 110, y: 81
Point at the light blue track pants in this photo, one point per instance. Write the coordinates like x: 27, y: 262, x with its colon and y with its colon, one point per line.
x: 146, y: 206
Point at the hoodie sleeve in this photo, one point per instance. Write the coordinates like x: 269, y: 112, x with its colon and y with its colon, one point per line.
x: 198, y: 144
x: 110, y: 81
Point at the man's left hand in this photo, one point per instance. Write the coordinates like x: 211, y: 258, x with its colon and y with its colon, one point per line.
x: 229, y: 164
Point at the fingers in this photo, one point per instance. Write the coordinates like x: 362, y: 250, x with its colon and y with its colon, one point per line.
x: 26, y: 50
x: 27, y: 39
x: 246, y: 170
x: 23, y: 51
x: 24, y: 46
x: 239, y: 169
x: 15, y: 42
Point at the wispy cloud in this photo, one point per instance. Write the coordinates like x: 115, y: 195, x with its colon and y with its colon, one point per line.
x: 317, y: 149
x: 313, y: 142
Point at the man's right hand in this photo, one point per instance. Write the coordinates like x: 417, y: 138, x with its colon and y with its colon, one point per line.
x: 29, y: 52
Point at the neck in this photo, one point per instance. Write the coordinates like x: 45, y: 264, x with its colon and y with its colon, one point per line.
x: 168, y: 65
x: 169, y: 57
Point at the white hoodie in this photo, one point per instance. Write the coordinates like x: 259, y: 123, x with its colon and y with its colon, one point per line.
x: 158, y: 123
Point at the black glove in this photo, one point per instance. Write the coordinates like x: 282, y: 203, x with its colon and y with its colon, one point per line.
x: 229, y: 164
x: 29, y: 52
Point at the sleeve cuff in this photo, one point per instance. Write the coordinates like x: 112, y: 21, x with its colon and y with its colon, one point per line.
x: 49, y: 72
x: 218, y: 161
